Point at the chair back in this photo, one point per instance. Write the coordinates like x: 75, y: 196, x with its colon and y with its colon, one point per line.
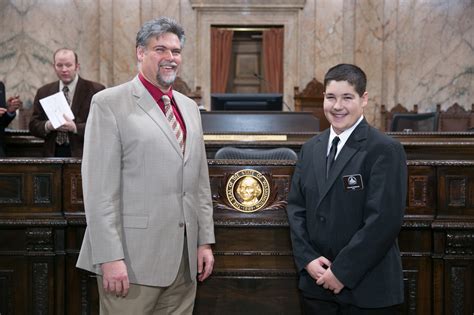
x: 311, y: 99
x: 455, y: 118
x: 415, y: 122
x: 232, y: 153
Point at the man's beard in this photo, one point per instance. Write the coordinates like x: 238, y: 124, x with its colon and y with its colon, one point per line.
x: 166, y: 81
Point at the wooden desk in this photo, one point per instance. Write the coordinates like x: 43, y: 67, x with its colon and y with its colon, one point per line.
x: 20, y: 143
x: 418, y: 145
x: 42, y: 224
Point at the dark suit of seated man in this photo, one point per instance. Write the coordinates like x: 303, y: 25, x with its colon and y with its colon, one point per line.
x: 68, y: 139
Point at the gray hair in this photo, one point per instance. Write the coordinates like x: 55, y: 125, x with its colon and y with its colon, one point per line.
x: 156, y: 28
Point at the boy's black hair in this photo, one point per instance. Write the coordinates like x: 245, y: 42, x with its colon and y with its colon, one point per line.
x: 350, y: 73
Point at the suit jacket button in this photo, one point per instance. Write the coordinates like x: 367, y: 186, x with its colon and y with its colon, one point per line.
x: 181, y: 224
x: 322, y: 219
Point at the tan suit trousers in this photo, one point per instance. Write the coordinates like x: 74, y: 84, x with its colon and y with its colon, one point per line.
x: 178, y: 298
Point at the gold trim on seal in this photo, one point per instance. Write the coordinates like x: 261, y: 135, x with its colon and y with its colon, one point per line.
x: 247, y: 190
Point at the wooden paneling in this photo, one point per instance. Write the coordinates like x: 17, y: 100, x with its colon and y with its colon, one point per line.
x: 42, y: 225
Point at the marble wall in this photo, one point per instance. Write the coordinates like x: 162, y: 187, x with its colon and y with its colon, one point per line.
x: 413, y: 51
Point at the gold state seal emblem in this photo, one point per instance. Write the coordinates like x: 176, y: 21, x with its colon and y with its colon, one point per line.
x: 247, y: 190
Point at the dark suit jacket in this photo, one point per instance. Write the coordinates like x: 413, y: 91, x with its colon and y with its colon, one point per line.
x: 4, y: 121
x: 355, y: 227
x: 80, y: 107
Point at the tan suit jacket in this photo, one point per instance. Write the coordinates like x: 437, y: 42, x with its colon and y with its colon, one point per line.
x: 140, y: 193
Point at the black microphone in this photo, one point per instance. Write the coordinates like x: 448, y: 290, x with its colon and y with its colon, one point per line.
x: 265, y: 82
x: 3, y: 98
x: 260, y: 77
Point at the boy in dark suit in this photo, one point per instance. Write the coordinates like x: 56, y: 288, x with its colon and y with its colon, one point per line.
x: 345, y: 207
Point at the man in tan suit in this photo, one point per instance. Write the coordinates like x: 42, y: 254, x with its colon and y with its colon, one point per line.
x: 146, y: 186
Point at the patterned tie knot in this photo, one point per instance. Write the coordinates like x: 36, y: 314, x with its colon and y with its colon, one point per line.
x: 166, y: 100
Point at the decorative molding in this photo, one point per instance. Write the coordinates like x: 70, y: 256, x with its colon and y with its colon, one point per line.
x: 255, y: 273
x: 440, y: 144
x: 39, y: 239
x: 252, y: 162
x: 432, y: 133
x: 253, y: 253
x: 40, y: 288
x: 232, y: 222
x: 12, y: 193
x: 459, y: 225
x: 456, y: 109
x: 302, y: 134
x: 57, y: 161
x: 314, y: 89
x: 247, y: 4
x: 416, y: 224
x: 450, y: 163
x: 77, y: 220
x: 42, y: 189
x: 457, y: 278
x: 456, y: 194
x: 410, y: 277
x: 418, y: 191
x: 416, y: 254
x: 459, y: 243
x: 76, y: 189
x: 52, y: 222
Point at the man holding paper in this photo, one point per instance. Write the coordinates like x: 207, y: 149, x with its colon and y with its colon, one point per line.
x: 63, y: 128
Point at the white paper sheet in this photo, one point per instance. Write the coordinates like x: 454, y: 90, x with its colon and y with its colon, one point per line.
x: 55, y: 106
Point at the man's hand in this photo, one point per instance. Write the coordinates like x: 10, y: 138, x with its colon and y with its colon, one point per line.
x: 115, y: 278
x: 318, y: 267
x: 2, y: 111
x: 329, y: 281
x: 13, y: 103
x: 205, y: 262
x: 68, y: 126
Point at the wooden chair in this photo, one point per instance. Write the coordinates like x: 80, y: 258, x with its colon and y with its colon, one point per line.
x: 311, y: 99
x: 181, y: 86
x: 387, y: 116
x: 455, y: 118
x: 427, y: 122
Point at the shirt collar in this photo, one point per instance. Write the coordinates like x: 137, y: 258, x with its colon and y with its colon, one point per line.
x: 71, y: 86
x: 343, y: 136
x: 155, y: 91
